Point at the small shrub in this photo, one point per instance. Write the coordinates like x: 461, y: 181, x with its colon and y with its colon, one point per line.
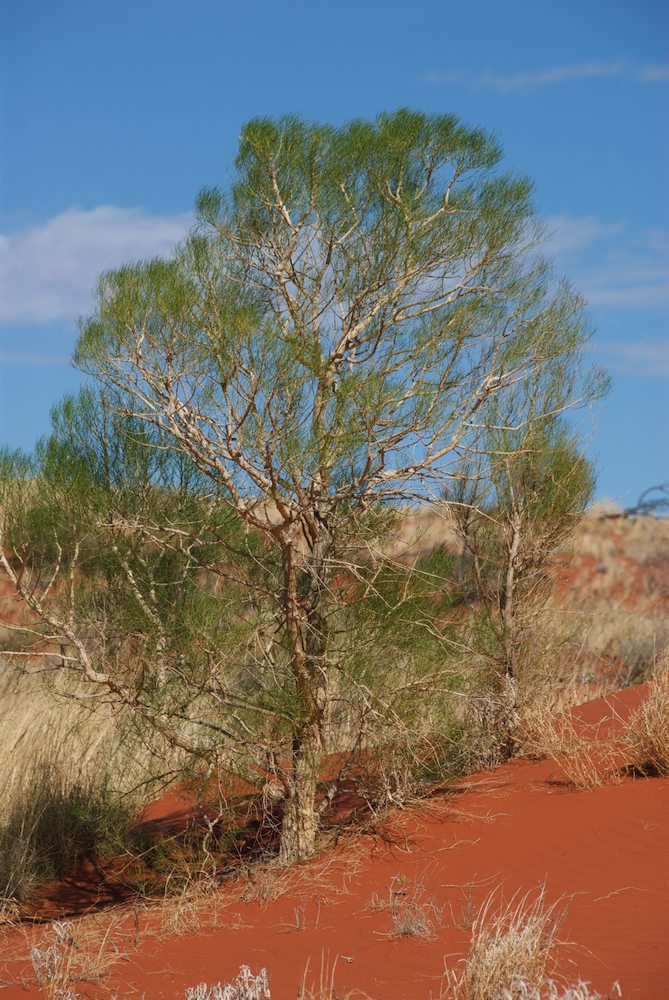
x: 413, y: 913
x: 52, y: 963
x: 490, y: 722
x: 245, y: 987
x: 396, y: 774
x: 72, y: 778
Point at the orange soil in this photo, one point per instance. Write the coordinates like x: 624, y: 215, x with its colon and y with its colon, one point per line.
x: 603, y: 853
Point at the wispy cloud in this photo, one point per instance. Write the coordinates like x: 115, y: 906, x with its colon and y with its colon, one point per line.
x: 48, y: 271
x: 529, y: 81
x: 646, y: 356
x: 654, y: 73
x: 567, y: 235
x: 612, y: 264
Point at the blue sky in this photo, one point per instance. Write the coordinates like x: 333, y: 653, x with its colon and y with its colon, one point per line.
x: 115, y: 112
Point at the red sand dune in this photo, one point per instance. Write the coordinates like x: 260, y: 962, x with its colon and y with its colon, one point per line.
x: 604, y: 853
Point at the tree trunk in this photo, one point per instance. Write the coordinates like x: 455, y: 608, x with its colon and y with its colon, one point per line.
x: 299, y: 824
x: 306, y: 630
x: 510, y: 680
x: 508, y: 604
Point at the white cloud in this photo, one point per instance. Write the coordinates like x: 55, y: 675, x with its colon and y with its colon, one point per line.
x: 530, y: 81
x: 48, y: 271
x: 641, y: 357
x: 613, y: 265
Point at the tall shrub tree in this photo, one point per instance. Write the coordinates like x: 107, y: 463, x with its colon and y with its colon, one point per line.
x: 512, y: 518
x: 336, y: 338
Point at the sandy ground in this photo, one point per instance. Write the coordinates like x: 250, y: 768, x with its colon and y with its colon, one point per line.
x: 603, y: 855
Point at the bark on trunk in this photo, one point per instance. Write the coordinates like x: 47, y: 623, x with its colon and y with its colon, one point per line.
x: 508, y: 605
x: 510, y: 681
x: 299, y: 824
x: 307, y: 633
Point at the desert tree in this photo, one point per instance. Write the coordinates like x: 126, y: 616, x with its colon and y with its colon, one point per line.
x: 522, y: 498
x: 336, y: 340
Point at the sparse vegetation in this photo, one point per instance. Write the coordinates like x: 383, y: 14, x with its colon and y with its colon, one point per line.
x: 512, y: 955
x: 68, y: 957
x: 206, y: 570
x: 324, y: 988
x: 618, y: 573
x: 414, y: 913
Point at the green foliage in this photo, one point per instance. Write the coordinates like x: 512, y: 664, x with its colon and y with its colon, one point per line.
x: 326, y: 230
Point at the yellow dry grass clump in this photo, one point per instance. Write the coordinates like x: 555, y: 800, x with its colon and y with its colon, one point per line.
x: 511, y: 955
x: 585, y: 754
x: 509, y: 950
x: 71, y: 778
x: 646, y: 742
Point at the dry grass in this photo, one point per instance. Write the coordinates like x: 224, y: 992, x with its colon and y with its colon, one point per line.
x: 320, y: 882
x: 67, y: 774
x: 264, y: 883
x: 624, y: 644
x: 586, y: 755
x: 511, y: 956
x: 66, y: 956
x: 414, y: 914
x: 621, y: 599
x: 324, y: 986
x: 646, y: 741
x: 510, y: 950
x: 51, y: 816
x: 192, y: 908
x: 645, y: 538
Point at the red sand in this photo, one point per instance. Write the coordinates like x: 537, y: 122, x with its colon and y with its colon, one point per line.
x: 604, y: 853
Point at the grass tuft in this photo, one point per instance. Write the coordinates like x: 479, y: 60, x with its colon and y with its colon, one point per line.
x: 646, y: 742
x: 510, y: 951
x: 585, y: 755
